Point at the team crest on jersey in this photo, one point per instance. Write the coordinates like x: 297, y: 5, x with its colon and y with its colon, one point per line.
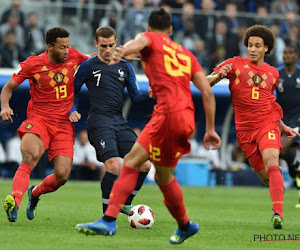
x: 121, y: 73
x: 28, y: 126
x: 298, y: 82
x: 257, y: 79
x: 59, y: 77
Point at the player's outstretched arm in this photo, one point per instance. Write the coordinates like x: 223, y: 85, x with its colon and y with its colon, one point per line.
x: 129, y: 48
x: 6, y: 94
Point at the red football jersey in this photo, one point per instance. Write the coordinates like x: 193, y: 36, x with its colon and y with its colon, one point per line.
x: 52, y: 85
x: 169, y: 68
x: 252, y: 88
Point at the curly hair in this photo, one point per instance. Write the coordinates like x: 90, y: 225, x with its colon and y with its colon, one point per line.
x: 263, y: 32
x: 54, y: 33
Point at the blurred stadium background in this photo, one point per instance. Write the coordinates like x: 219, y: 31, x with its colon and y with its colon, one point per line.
x: 213, y: 30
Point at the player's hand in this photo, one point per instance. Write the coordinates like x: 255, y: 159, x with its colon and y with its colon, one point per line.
x: 6, y: 113
x: 225, y: 70
x: 74, y: 116
x: 117, y: 55
x: 288, y: 131
x: 150, y: 93
x: 132, y: 57
x: 211, y: 140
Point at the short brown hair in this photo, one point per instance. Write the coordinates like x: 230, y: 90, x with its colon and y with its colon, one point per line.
x: 263, y: 32
x: 106, y: 32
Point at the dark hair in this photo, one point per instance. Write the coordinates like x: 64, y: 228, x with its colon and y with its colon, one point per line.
x: 263, y: 32
x: 160, y: 19
x: 54, y: 33
x: 105, y: 31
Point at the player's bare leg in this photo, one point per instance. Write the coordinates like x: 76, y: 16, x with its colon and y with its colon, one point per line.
x: 32, y: 149
x: 61, y: 173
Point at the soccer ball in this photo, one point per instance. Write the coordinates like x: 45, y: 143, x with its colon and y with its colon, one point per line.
x: 141, y: 216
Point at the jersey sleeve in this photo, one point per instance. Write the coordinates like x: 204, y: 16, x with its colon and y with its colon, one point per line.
x: 133, y: 88
x: 79, y: 80
x: 23, y: 71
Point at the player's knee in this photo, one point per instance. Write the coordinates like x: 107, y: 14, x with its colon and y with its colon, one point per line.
x: 113, y: 165
x: 31, y: 158
x: 62, y: 176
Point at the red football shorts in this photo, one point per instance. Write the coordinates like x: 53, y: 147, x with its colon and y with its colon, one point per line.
x: 254, y: 142
x: 57, y: 137
x: 165, y: 137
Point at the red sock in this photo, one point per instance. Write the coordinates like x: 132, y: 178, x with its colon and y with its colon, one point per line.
x: 173, y: 199
x: 21, y: 182
x: 276, y: 188
x: 48, y: 185
x: 122, y: 188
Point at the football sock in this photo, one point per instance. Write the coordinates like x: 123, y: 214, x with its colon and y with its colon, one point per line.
x: 106, y: 186
x: 108, y: 218
x: 173, y: 199
x: 48, y: 185
x: 122, y: 188
x: 138, y: 186
x: 276, y: 188
x: 21, y: 182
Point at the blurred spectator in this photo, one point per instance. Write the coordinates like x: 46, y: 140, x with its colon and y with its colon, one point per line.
x: 176, y: 22
x: 221, y: 4
x: 13, y: 25
x: 253, y: 5
x: 11, y: 54
x: 199, y: 151
x: 110, y: 20
x: 188, y: 14
x: 293, y: 36
x: 85, y: 163
x: 279, y: 46
x: 14, y: 10
x: 188, y: 36
x: 283, y: 6
x: 262, y: 16
x: 201, y: 53
x: 34, y: 36
x: 176, y: 4
x: 206, y: 21
x: 99, y: 13
x: 222, y: 45
x: 230, y: 18
x: 236, y: 159
x: 242, y: 48
x: 135, y: 20
x: 285, y: 26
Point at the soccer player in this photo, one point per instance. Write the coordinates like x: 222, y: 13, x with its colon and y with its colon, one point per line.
x: 108, y: 130
x: 170, y: 68
x: 257, y: 114
x: 47, y: 127
x: 288, y: 92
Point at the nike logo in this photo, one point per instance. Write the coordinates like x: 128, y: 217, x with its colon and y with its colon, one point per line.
x: 97, y: 71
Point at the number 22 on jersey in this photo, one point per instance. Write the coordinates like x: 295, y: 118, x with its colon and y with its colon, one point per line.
x: 172, y: 65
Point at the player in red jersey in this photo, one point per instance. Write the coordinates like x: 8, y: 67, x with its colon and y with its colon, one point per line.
x: 47, y: 127
x: 170, y: 68
x: 257, y: 114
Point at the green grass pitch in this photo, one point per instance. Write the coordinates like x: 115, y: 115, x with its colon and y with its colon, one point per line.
x: 229, y: 218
